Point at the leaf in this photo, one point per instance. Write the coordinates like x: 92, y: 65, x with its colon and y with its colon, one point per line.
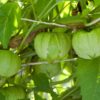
x: 95, y: 13
x: 2, y: 97
x: 85, y: 12
x: 43, y: 85
x: 83, y: 4
x: 42, y: 6
x: 41, y: 82
x: 9, y: 19
x: 96, y: 10
x: 97, y: 2
x: 71, y: 20
x: 88, y: 74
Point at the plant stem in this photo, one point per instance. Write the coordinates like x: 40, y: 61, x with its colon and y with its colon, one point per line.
x: 45, y: 62
x: 46, y: 23
x: 93, y: 22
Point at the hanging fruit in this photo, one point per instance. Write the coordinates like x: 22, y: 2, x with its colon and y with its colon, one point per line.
x: 52, y: 46
x: 10, y: 63
x: 87, y: 44
x: 50, y: 70
x: 13, y: 93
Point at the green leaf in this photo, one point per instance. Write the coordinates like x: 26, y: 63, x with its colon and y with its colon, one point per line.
x: 97, y: 2
x: 2, y: 97
x: 71, y: 20
x: 88, y: 74
x: 83, y: 4
x: 95, y: 13
x: 96, y: 10
x: 42, y: 6
x: 9, y: 19
x: 41, y: 82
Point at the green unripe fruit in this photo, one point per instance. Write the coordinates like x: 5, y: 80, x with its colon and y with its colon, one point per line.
x: 49, y: 69
x: 13, y: 93
x: 52, y: 46
x: 10, y: 63
x: 87, y: 44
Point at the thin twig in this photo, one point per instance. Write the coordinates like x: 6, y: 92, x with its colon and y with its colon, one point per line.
x: 46, y: 23
x: 59, y: 25
x: 45, y: 62
x: 93, y: 22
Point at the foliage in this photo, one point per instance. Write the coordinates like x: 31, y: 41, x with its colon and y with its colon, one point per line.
x: 49, y: 49
x: 91, y: 82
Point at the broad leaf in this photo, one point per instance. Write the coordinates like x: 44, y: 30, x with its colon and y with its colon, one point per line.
x: 83, y: 4
x: 2, y: 97
x: 9, y: 18
x: 42, y: 7
x: 41, y: 82
x: 97, y: 2
x: 88, y: 73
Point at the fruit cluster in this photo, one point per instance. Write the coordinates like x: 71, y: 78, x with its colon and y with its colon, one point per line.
x: 52, y: 46
x: 55, y: 46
